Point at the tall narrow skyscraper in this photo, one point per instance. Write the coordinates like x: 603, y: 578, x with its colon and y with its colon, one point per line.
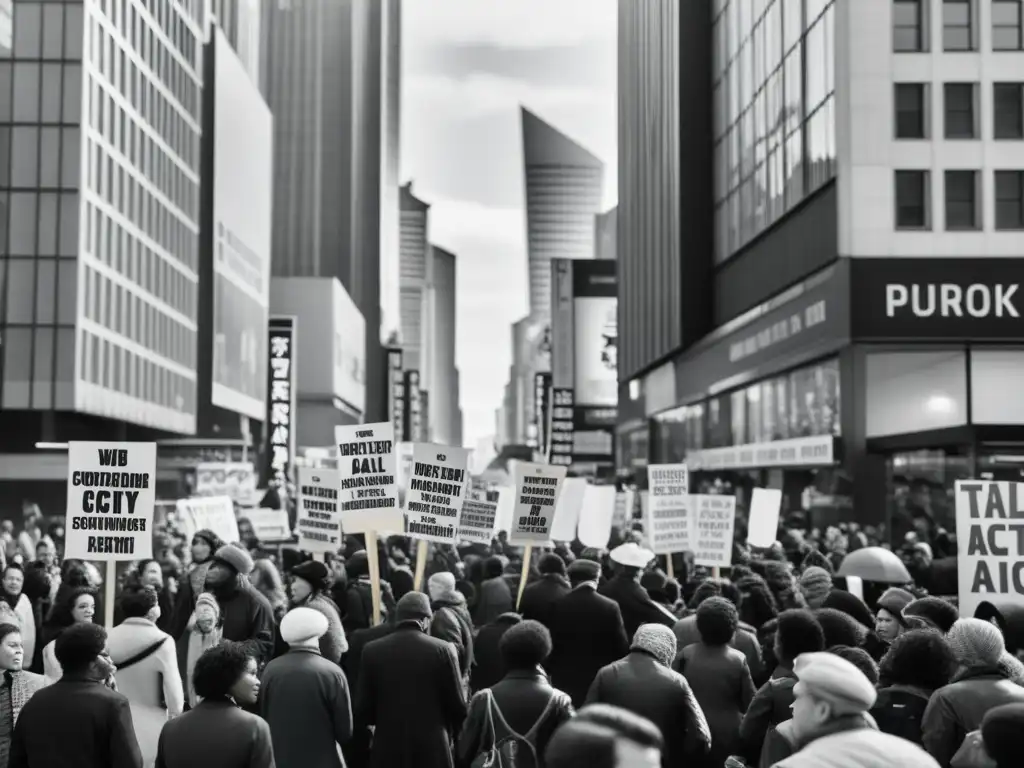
x: 442, y: 377
x: 413, y: 276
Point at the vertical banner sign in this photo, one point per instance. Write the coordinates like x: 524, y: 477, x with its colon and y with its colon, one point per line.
x: 669, y: 522
x: 397, y: 393
x: 541, y: 409
x: 367, y: 480
x: 595, y: 361
x: 561, y: 427
x: 562, y: 361
x: 111, y: 495
x: 436, y: 492
x: 317, y: 520
x: 990, y: 562
x: 412, y: 406
x: 537, y: 488
x: 478, y: 518
x: 714, y: 518
x: 281, y: 373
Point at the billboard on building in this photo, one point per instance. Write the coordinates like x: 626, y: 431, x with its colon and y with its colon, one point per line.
x: 242, y: 214
x: 279, y: 424
x: 349, y: 350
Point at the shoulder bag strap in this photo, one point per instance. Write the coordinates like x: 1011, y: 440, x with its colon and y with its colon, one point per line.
x: 145, y: 653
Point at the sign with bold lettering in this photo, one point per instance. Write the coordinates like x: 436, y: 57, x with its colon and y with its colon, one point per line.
x: 317, y: 520
x: 990, y: 542
x: 367, y: 478
x: 437, y: 489
x: 669, y: 521
x: 537, y: 490
x: 111, y: 495
x: 714, y: 519
x: 478, y: 518
x: 214, y: 513
x: 280, y: 425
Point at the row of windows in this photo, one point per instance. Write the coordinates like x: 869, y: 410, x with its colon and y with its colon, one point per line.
x: 960, y: 25
x: 41, y: 224
x: 113, y: 245
x: 113, y: 367
x: 42, y: 291
x: 39, y: 368
x: 40, y: 158
x: 960, y: 108
x: 962, y: 198
x: 48, y: 31
x: 42, y: 93
x: 113, y: 306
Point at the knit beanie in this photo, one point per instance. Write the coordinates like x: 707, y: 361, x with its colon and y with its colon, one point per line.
x: 815, y: 558
x: 235, y: 557
x: 975, y: 643
x: 314, y: 573
x: 440, y: 584
x: 815, y: 584
x: 413, y: 606
x: 657, y: 640
x: 894, y: 600
x: 936, y: 611
x: 1002, y: 730
x: 209, y: 601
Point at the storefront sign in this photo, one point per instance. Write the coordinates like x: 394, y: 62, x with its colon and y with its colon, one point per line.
x: 937, y: 298
x: 797, y: 452
x: 396, y: 396
x: 280, y: 454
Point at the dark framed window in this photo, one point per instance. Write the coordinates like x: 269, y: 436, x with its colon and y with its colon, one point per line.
x: 908, y: 28
x: 962, y: 200
x: 1009, y: 196
x: 957, y: 25
x: 911, y: 110
x: 959, y: 110
x: 912, y: 200
x: 1006, y: 25
x: 1008, y: 110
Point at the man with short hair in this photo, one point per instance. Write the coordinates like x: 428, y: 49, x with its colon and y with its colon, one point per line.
x: 80, y: 721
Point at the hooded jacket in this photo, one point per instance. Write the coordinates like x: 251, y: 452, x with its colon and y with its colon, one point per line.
x: 452, y: 623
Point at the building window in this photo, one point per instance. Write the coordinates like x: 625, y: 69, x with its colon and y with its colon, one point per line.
x: 912, y: 200
x: 1006, y: 25
x: 908, y: 28
x: 959, y: 108
x: 1009, y: 199
x: 957, y: 25
x: 1008, y: 110
x: 911, y: 110
x: 962, y: 200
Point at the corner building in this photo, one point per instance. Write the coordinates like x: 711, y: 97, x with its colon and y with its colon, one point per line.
x: 860, y: 347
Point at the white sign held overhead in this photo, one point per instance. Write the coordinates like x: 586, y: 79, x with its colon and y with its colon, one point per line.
x: 990, y: 552
x: 317, y: 520
x: 478, y: 518
x: 111, y: 496
x: 624, y: 501
x: 537, y: 489
x: 668, y: 521
x: 763, y: 526
x: 213, y: 513
x: 270, y: 526
x: 437, y: 489
x: 568, y: 509
x: 368, y: 490
x: 595, y: 526
x: 714, y: 518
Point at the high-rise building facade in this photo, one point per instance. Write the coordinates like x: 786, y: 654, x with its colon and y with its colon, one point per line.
x: 390, y: 205
x: 414, y: 277
x: 442, y: 375
x: 240, y: 21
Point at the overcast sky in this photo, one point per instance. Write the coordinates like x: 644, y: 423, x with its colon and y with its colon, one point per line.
x: 467, y: 66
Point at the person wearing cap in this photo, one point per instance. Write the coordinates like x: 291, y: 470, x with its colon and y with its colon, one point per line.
x: 624, y: 588
x: 830, y: 727
x: 587, y: 632
x: 246, y: 615
x: 540, y: 597
x: 451, y: 621
x: 309, y: 587
x: 410, y: 691
x: 889, y: 619
x: 304, y: 697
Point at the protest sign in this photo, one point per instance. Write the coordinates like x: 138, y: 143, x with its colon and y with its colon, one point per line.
x: 437, y: 489
x: 624, y: 501
x: 668, y: 521
x: 990, y: 542
x: 714, y: 518
x: 537, y: 489
x: 763, y: 525
x: 367, y: 484
x: 568, y: 508
x: 213, y: 513
x: 317, y: 520
x: 235, y: 479
x: 111, y: 495
x: 270, y: 526
x: 595, y: 526
x: 506, y: 508
x: 478, y: 517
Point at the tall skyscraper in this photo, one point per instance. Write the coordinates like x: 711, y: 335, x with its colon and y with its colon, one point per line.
x: 564, y: 186
x: 442, y: 375
x: 240, y: 21
x: 413, y: 276
x: 391, y: 117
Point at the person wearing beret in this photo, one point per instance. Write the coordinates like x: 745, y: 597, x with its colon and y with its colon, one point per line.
x: 309, y: 587
x: 246, y: 615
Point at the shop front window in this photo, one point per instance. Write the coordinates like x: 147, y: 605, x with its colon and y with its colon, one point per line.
x: 720, y: 422
x: 633, y: 447
x: 815, y: 400
x: 922, y: 496
x: 669, y: 434
x: 738, y: 407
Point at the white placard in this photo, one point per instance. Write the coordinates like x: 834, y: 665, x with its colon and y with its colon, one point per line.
x: 714, y: 518
x: 537, y: 488
x: 568, y: 509
x: 367, y: 479
x: 111, y: 495
x: 235, y: 479
x: 317, y: 520
x: 990, y: 552
x: 437, y: 488
x: 595, y: 526
x: 213, y: 513
x: 763, y: 526
x: 668, y: 522
x: 506, y: 509
x: 269, y: 526
x: 478, y: 518
x: 624, y: 501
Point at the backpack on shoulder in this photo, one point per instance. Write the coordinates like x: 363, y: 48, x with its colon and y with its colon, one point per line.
x: 510, y: 749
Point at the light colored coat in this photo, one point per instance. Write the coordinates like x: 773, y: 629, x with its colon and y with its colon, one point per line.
x: 859, y: 748
x: 149, y: 683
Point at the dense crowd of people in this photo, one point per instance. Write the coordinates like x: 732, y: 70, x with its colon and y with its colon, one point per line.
x: 235, y: 655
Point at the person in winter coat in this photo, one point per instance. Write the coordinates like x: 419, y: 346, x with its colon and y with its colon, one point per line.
x: 815, y: 585
x: 889, y: 620
x: 19, y: 690
x: 147, y: 668
x: 830, y: 727
x: 539, y: 598
x: 414, y: 729
x: 522, y: 704
x: 451, y: 621
x: 267, y: 581
x: 218, y: 732
x: 205, y: 632
x: 645, y: 684
x: 358, y: 607
x: 304, y: 697
x: 357, y: 749
x: 624, y: 588
x: 494, y: 596
x: 11, y: 593
x: 246, y: 615
x: 487, y: 664
x: 1002, y: 735
x: 309, y: 587
x: 587, y: 633
x: 204, y: 544
x: 978, y: 685
x: 149, y: 573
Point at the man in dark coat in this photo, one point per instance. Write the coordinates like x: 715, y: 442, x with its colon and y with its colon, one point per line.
x: 487, y: 664
x: 451, y: 621
x: 357, y: 750
x: 624, y: 588
x: 539, y: 598
x: 79, y: 721
x: 410, y: 690
x: 586, y: 633
x: 246, y: 614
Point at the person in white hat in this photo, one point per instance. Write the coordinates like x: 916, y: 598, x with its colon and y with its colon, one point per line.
x: 624, y: 588
x: 305, y: 698
x: 830, y: 725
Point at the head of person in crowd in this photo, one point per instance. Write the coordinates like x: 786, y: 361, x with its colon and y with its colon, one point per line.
x: 13, y: 582
x: 759, y: 604
x: 815, y: 585
x: 227, y: 671
x: 229, y: 562
x: 204, y: 544
x: 12, y: 652
x: 357, y: 566
x: 494, y: 567
x: 82, y: 653
x: 73, y: 573
x: 247, y: 534
x: 717, y: 620
x: 605, y: 736
x: 840, y: 628
x: 77, y: 606
x: 797, y: 632
x: 828, y: 687
x: 441, y: 586
x: 657, y: 641
x: 706, y: 589
x: 815, y: 559
x: 919, y: 658
x: 46, y: 553
x: 303, y: 628
x: 267, y: 580
x: 976, y: 644
x: 889, y: 619
x: 140, y: 602
x: 525, y: 646
x: 583, y: 571
x: 860, y: 658
x: 308, y: 580
x: 207, y: 613
x: 939, y: 613
x: 551, y: 565
x: 851, y: 605
x: 1002, y: 731
x: 150, y: 573
x: 1009, y: 617
x: 414, y: 608
x: 656, y: 585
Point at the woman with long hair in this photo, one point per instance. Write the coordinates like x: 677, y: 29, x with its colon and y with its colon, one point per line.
x: 78, y: 606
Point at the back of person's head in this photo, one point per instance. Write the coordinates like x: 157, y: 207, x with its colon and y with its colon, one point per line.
x: 550, y: 563
x: 921, y: 658
x: 717, y: 619
x: 137, y: 601
x: 78, y: 647
x: 493, y: 567
x: 860, y: 658
x: 730, y: 592
x: 704, y: 590
x: 1001, y: 731
x: 840, y: 628
x: 798, y: 631
x: 524, y: 646
x: 603, y: 736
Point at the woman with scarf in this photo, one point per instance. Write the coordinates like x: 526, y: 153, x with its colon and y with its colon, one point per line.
x: 12, y: 596
x: 204, y: 544
x: 78, y: 606
x: 309, y: 587
x: 203, y: 634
